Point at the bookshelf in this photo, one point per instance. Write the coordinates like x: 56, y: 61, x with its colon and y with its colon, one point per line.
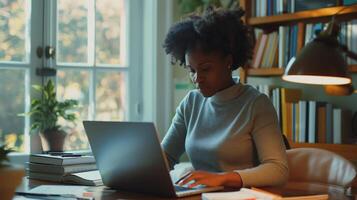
x: 317, y: 15
x: 265, y: 72
x: 345, y: 13
x: 275, y: 71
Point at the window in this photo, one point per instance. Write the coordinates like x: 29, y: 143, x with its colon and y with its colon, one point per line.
x: 15, y: 66
x: 92, y: 62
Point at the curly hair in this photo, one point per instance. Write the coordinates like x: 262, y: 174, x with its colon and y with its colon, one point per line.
x: 216, y: 30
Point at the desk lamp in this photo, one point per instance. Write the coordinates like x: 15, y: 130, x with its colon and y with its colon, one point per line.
x: 321, y: 62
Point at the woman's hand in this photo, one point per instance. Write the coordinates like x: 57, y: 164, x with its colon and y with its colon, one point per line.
x: 228, y: 179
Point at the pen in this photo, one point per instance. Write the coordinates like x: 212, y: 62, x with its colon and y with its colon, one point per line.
x: 71, y: 155
x: 183, y: 177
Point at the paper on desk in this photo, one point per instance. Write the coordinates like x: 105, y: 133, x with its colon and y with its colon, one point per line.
x: 243, y: 194
x: 62, y: 189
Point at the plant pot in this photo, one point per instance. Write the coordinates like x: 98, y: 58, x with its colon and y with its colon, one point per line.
x: 10, y: 178
x: 54, y: 140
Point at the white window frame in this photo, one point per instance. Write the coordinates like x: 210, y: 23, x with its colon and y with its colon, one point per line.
x: 35, y: 32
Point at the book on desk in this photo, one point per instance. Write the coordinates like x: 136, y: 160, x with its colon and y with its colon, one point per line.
x: 89, y: 178
x: 65, y: 168
x: 58, y: 159
x: 258, y: 194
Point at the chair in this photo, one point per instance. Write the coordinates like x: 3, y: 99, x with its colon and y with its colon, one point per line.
x: 286, y: 142
x: 319, y: 170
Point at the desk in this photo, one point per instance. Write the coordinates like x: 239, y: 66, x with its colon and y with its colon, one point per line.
x: 101, y: 193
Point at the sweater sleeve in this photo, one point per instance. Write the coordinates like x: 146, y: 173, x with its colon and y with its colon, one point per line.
x: 273, y: 167
x: 173, y: 143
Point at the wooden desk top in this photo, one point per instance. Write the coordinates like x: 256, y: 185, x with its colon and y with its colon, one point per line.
x: 102, y: 193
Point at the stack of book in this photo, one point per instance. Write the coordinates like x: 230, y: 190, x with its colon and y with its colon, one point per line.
x: 65, y: 168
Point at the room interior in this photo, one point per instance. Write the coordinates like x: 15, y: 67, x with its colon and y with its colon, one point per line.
x: 108, y: 57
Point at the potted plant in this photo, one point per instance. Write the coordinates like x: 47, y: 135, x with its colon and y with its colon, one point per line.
x: 10, y: 175
x: 46, y: 111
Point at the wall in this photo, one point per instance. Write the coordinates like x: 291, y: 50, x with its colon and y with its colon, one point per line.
x: 157, y: 71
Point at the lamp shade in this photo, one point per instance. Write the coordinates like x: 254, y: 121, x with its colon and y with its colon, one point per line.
x: 319, y: 62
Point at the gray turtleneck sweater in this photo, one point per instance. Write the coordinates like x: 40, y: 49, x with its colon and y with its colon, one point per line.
x: 234, y: 130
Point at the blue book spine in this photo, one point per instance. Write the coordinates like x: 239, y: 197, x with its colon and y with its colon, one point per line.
x: 302, y: 121
x: 291, y: 42
x: 329, y: 116
x: 295, y: 33
x: 287, y: 43
x: 293, y: 122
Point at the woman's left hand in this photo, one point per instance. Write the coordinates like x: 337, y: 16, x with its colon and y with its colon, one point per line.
x: 229, y: 179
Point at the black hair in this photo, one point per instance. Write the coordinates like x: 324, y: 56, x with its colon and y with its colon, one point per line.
x: 216, y: 30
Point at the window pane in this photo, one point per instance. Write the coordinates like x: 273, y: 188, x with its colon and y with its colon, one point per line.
x: 13, y: 30
x: 110, y: 95
x: 74, y: 84
x: 12, y: 103
x: 110, y: 32
x: 72, y: 31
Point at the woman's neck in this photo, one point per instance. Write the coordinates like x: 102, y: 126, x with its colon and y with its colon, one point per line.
x: 227, y: 84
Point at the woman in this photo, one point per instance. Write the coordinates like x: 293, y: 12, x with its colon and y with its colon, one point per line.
x: 229, y: 131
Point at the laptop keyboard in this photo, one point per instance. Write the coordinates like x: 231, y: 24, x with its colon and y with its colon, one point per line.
x: 180, y: 189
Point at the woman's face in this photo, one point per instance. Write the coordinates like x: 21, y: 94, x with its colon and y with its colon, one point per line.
x: 210, y: 72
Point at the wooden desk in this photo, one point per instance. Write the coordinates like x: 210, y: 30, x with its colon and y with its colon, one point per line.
x: 101, y: 193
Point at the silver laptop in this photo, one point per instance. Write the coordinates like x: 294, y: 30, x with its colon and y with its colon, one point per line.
x: 129, y: 157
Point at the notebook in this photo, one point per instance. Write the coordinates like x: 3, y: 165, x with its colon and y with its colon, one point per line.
x: 129, y: 157
x: 90, y: 178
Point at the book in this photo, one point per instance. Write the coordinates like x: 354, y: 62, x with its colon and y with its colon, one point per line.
x: 256, y: 46
x: 254, y: 193
x: 61, y: 169
x: 301, y: 5
x: 60, y: 160
x: 329, y: 122
x: 273, y: 50
x: 342, y: 127
x: 312, y: 130
x: 297, y: 122
x: 321, y: 123
x: 267, y: 51
x: 308, y: 33
x: 90, y: 178
x: 288, y: 96
x: 282, y: 46
x: 260, y: 51
x: 303, y: 117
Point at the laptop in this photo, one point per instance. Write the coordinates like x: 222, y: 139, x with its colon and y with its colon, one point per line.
x: 129, y: 158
